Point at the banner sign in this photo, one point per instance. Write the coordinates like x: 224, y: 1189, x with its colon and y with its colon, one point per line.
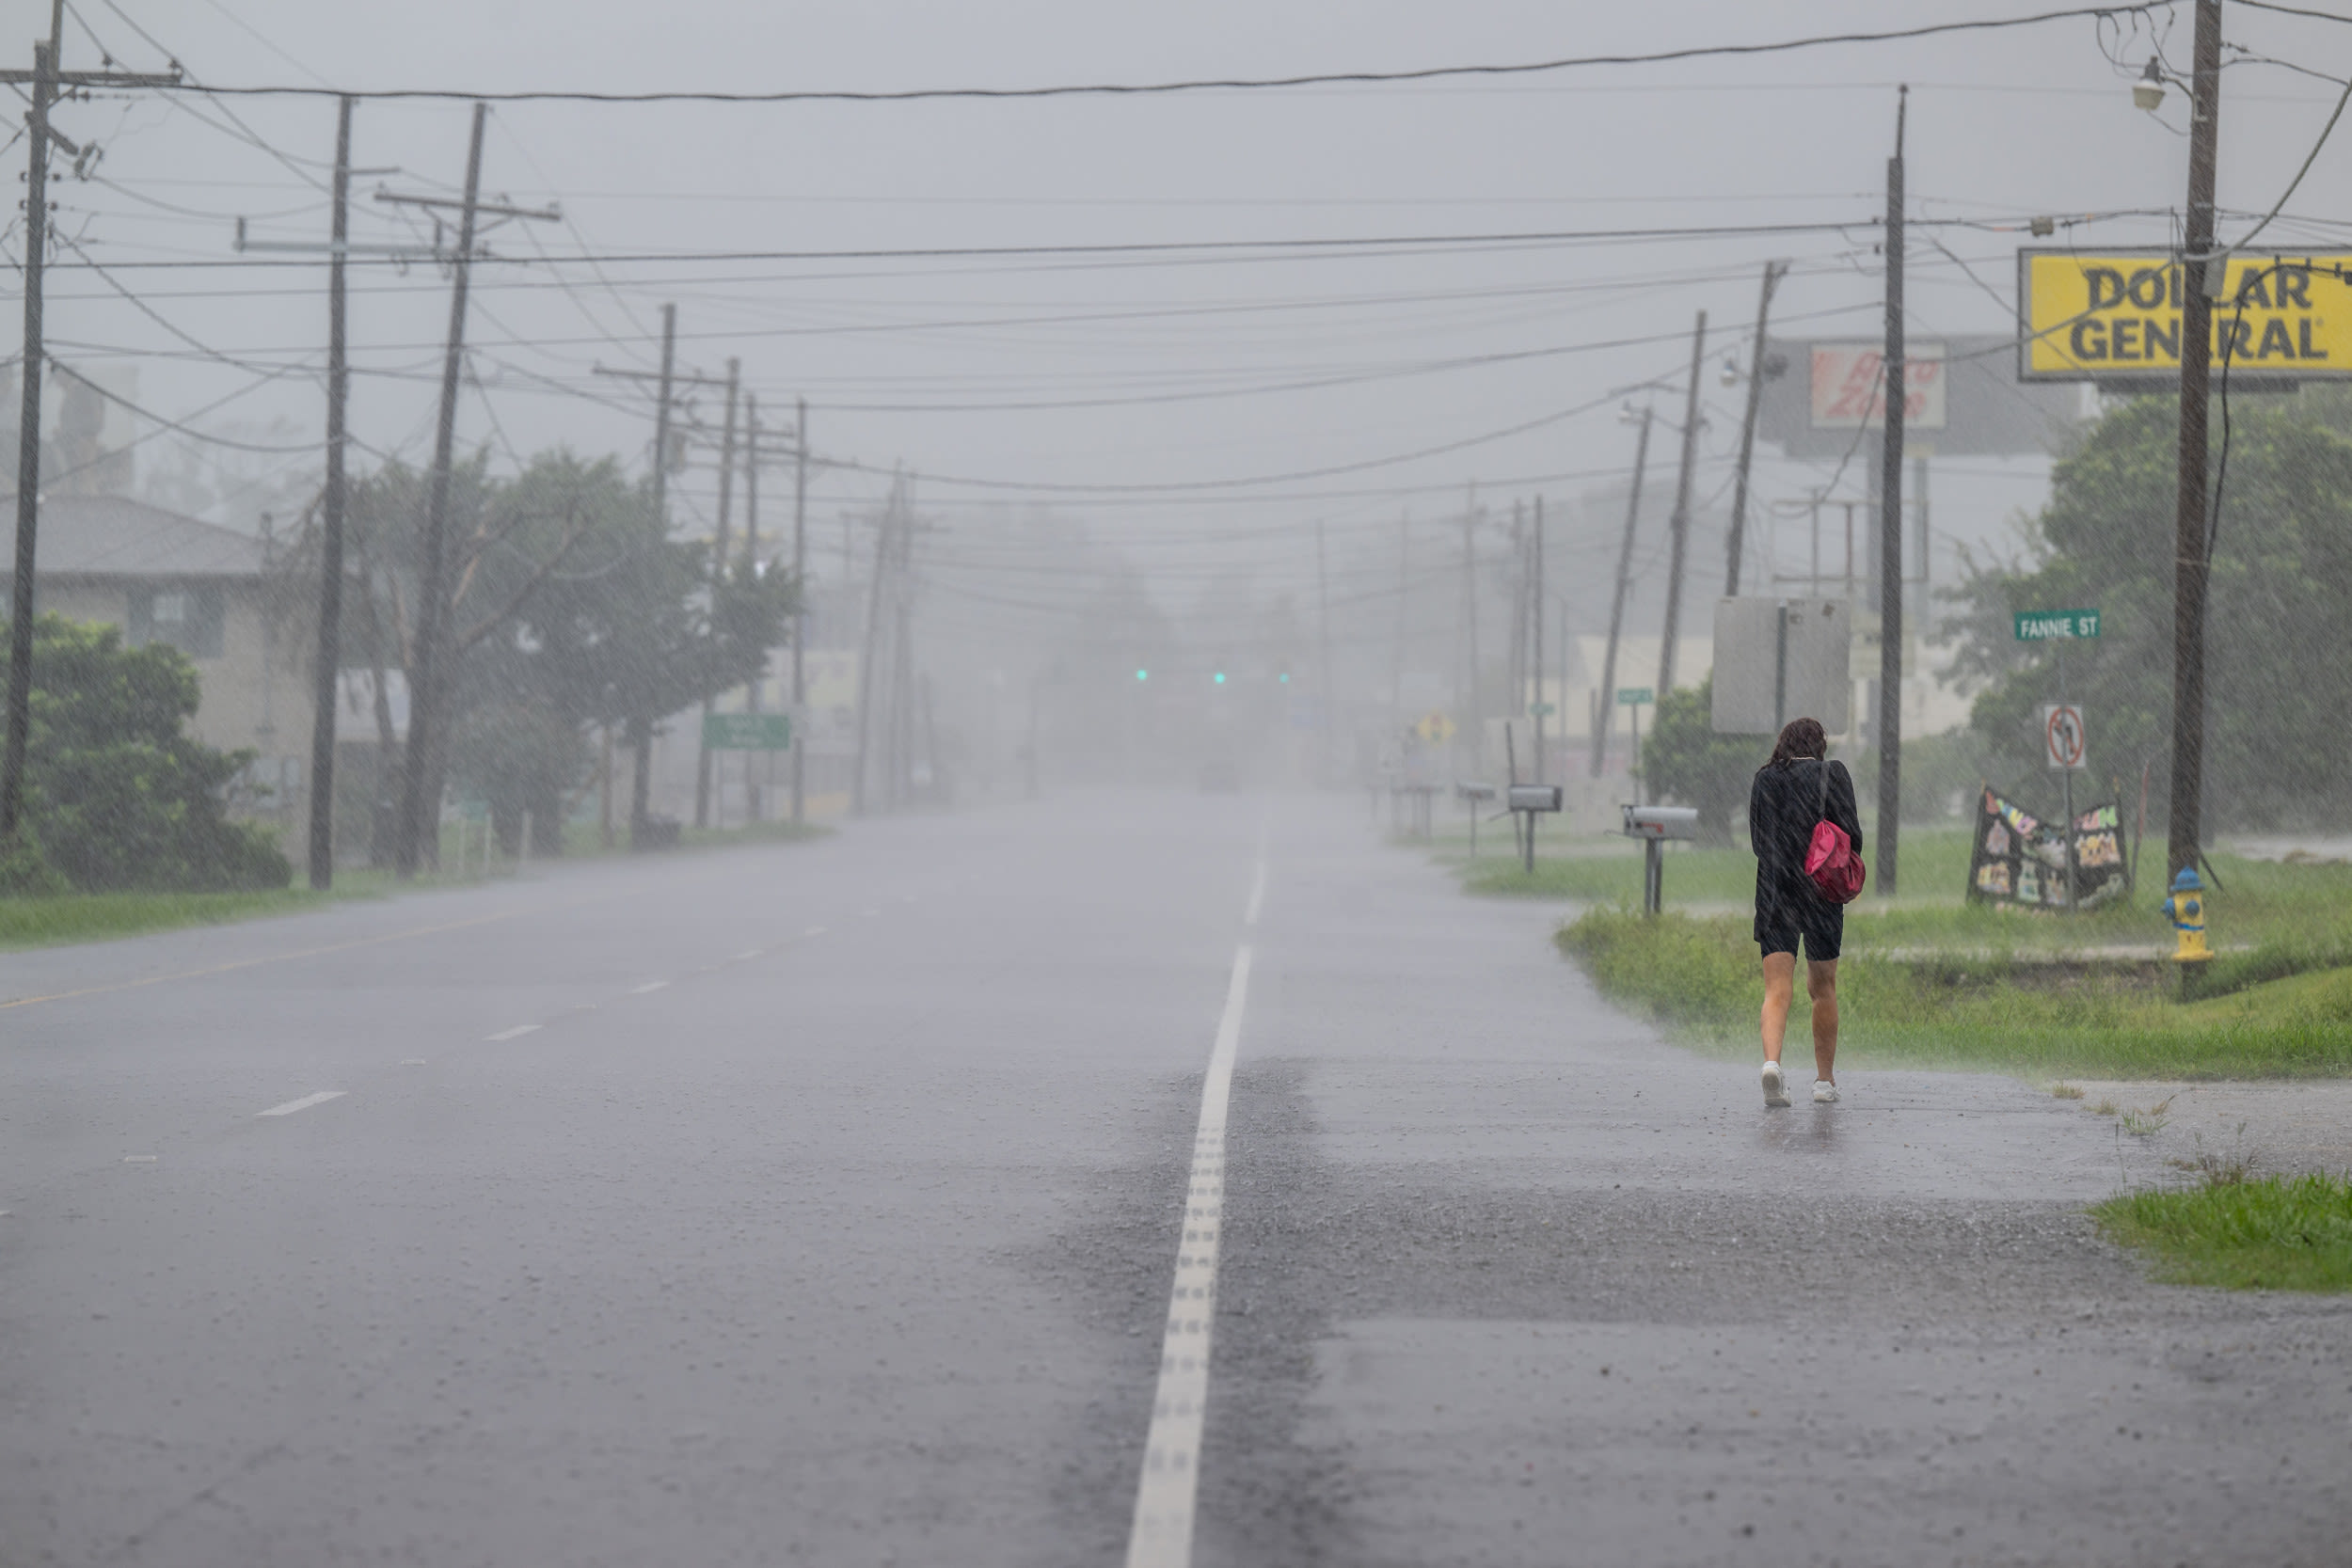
x: 2115, y: 317
x: 1850, y: 387
x: 2018, y: 859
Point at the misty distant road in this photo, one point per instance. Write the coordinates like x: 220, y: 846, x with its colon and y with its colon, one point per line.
x: 823, y: 1205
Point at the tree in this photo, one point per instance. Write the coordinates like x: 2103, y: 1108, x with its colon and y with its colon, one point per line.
x: 2278, y: 692
x: 116, y: 796
x: 569, y: 606
x: 1685, y: 761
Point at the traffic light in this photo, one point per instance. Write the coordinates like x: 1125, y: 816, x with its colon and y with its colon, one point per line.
x: 1143, y: 675
x: 1220, y: 678
x: 1285, y: 677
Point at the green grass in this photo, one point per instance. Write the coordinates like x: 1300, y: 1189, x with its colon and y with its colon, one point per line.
x: 30, y: 922
x: 1700, y: 976
x: 102, y: 917
x: 2275, y: 1233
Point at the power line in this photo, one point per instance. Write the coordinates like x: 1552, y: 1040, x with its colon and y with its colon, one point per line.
x: 1232, y: 84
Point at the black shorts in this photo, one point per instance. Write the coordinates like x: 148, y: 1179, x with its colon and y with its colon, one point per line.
x: 1785, y: 912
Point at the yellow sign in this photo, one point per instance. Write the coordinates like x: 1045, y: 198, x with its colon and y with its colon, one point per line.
x: 1435, y: 728
x: 2117, y: 317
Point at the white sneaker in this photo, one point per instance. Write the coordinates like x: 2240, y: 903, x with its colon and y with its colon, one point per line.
x: 1824, y: 1092
x: 1775, y: 1088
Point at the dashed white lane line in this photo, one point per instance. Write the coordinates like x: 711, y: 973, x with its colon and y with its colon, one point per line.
x: 514, y: 1034
x: 814, y: 931
x: 1160, y: 1536
x: 139, y: 1159
x: 304, y: 1104
x: 746, y: 958
x: 649, y: 986
x: 1257, y: 894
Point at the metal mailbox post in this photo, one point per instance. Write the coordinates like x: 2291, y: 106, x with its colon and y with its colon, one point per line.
x: 1653, y: 826
x: 1531, y: 799
x: 1474, y: 796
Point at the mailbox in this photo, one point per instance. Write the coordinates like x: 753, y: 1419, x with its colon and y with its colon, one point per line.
x: 1535, y: 798
x: 1657, y: 822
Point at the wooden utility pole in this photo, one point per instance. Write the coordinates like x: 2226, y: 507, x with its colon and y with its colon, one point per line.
x: 1680, y: 524
x: 1535, y: 656
x: 800, y: 618
x: 1890, y: 726
x: 1473, y: 720
x: 1773, y: 271
x: 323, y: 690
x: 872, y: 639
x: 45, y: 78
x: 718, y: 580
x: 753, y: 761
x: 420, y: 772
x: 1322, y: 626
x: 1605, y: 700
x: 2192, y: 564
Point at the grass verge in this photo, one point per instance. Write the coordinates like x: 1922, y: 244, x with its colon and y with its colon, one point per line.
x: 1699, y: 975
x: 75, y: 917
x: 2275, y: 1233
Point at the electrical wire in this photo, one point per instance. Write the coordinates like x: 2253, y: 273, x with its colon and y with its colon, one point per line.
x: 2105, y: 14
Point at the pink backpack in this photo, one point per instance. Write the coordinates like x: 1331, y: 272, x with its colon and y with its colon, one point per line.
x: 1837, y: 873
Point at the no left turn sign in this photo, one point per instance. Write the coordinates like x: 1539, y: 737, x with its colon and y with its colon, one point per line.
x: 2062, y: 736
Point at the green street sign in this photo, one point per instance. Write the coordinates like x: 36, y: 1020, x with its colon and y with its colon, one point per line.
x: 1634, y: 696
x: 2056, y: 626
x: 747, y: 732
x: 1541, y: 710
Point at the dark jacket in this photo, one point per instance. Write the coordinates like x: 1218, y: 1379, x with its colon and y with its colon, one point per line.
x: 1784, y: 804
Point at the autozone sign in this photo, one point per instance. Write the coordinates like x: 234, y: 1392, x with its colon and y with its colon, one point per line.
x: 1850, y: 386
x: 2115, y: 317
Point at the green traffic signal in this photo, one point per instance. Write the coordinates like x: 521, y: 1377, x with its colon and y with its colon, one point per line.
x: 1143, y: 675
x: 1220, y: 678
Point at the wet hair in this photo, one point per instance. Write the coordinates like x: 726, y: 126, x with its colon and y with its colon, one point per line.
x: 1802, y: 739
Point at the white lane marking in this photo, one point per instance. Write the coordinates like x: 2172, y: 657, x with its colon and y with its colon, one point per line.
x: 304, y: 1104
x: 412, y: 1061
x: 1257, y: 893
x: 650, y: 985
x: 1160, y: 1536
x: 139, y: 1159
x: 514, y: 1034
x: 743, y: 957
x: 814, y: 931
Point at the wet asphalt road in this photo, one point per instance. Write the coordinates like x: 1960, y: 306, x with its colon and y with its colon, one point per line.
x: 819, y: 1205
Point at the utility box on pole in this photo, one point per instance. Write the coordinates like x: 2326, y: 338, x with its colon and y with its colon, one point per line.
x: 1778, y: 660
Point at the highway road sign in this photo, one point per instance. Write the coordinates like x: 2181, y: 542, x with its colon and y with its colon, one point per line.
x: 1435, y: 728
x: 1634, y: 696
x: 2062, y: 736
x: 747, y: 732
x: 1541, y: 710
x: 2056, y: 626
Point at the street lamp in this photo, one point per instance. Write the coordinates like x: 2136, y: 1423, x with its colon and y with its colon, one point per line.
x: 2148, y: 92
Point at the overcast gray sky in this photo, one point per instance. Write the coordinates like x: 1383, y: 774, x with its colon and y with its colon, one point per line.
x: 1137, y: 372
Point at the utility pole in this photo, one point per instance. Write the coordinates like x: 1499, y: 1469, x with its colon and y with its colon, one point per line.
x: 1773, y: 271
x: 1891, y: 526
x: 1680, y: 523
x: 1472, y: 723
x: 1605, y: 700
x: 421, y: 788
x: 2192, y: 565
x: 873, y: 631
x: 419, y: 755
x: 1535, y: 660
x: 329, y: 659
x: 718, y: 581
x: 800, y: 619
x: 752, y: 760
x: 45, y: 79
x: 1404, y: 581
x: 1323, y: 626
x: 666, y: 381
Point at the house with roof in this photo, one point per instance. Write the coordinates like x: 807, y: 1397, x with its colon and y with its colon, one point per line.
x: 203, y: 588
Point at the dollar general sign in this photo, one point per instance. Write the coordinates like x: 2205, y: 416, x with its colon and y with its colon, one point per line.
x: 2117, y: 317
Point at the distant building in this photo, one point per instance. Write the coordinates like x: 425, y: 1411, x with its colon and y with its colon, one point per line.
x: 163, y: 577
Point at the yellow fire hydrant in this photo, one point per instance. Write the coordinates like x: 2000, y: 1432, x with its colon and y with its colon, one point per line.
x: 2187, y: 911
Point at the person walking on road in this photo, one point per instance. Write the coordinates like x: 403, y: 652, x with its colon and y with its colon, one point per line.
x: 1799, y: 787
